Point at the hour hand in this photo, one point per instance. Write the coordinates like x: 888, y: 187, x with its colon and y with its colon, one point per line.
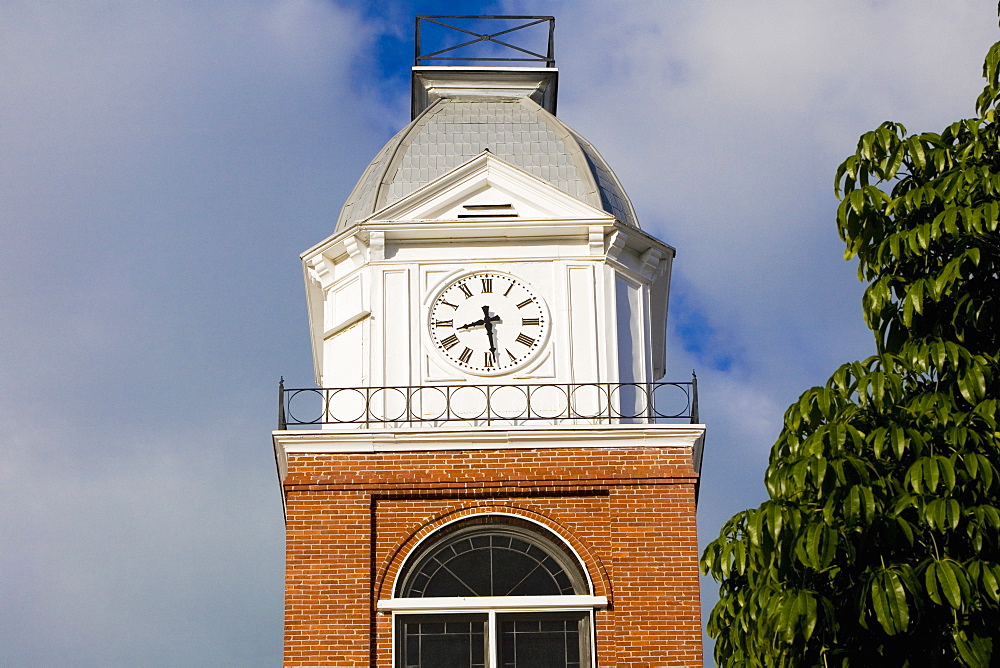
x: 478, y: 323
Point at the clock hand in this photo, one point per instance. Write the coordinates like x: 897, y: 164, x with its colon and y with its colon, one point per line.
x: 471, y: 324
x: 488, y: 320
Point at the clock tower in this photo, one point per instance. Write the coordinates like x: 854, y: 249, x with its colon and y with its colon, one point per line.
x: 492, y: 470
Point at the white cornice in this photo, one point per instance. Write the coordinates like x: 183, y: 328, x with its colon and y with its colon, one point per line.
x: 682, y: 436
x: 489, y: 438
x: 430, y: 83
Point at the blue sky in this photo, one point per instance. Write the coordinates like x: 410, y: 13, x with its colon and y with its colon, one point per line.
x: 164, y: 163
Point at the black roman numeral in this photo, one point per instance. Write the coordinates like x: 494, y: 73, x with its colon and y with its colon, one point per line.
x: 487, y: 284
x: 448, y: 304
x: 510, y: 355
x: 490, y: 360
x: 525, y: 302
x: 525, y: 340
x: 509, y: 288
x: 444, y: 323
x: 449, y: 342
x: 527, y: 321
x: 465, y: 290
x: 465, y: 356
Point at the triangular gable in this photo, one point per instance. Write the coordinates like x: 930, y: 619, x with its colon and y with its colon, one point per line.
x: 488, y: 187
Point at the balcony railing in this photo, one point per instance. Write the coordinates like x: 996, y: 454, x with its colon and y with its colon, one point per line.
x: 488, y: 405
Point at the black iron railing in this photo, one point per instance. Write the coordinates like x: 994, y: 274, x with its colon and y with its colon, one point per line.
x: 486, y: 405
x: 454, y: 52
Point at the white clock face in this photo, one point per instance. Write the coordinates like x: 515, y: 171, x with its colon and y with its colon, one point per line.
x: 488, y: 323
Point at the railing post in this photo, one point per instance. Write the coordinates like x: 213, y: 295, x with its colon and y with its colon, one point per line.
x: 368, y: 407
x: 282, y: 425
x: 416, y: 44
x: 551, y: 60
x: 489, y: 407
x: 607, y: 387
x: 694, y: 398
x: 409, y: 406
x: 650, y: 413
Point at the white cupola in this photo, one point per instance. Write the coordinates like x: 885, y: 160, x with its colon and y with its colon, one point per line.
x: 483, y: 201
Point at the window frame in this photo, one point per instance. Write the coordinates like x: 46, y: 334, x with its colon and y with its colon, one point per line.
x: 492, y: 635
x: 583, y: 604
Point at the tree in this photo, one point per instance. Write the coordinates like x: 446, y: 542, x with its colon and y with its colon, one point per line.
x: 880, y: 541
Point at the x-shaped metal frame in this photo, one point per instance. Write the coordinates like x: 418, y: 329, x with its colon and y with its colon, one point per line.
x: 548, y: 58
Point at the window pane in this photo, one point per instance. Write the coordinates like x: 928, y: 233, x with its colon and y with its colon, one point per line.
x: 493, y: 561
x: 517, y: 574
x: 460, y: 577
x: 539, y: 641
x: 444, y: 642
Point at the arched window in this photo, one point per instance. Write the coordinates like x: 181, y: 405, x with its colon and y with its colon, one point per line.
x: 493, y: 592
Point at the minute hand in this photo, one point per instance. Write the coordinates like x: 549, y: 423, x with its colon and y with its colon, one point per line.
x: 488, y: 320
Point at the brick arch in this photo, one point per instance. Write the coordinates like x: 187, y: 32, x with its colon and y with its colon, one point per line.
x: 386, y: 577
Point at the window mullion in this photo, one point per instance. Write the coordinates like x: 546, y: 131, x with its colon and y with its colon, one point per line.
x: 492, y: 660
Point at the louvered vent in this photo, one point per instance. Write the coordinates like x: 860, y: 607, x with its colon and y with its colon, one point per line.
x: 488, y: 211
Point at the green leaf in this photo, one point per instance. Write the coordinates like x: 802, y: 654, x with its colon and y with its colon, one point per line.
x: 806, y: 605
x: 948, y: 574
x: 889, y: 602
x: 916, y: 150
x: 972, y: 384
x: 973, y: 649
x: 947, y: 470
x: 990, y: 582
x: 899, y: 441
x: 932, y: 581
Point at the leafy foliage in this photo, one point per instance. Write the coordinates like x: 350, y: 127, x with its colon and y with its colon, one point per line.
x: 880, y: 543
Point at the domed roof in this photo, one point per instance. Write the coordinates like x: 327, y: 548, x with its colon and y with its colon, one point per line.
x: 453, y: 130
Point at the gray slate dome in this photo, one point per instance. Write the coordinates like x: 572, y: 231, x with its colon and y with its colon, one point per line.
x: 453, y: 130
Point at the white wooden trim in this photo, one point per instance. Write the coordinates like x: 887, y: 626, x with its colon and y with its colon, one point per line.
x: 345, y: 323
x: 417, y: 439
x: 487, y: 603
x: 541, y: 529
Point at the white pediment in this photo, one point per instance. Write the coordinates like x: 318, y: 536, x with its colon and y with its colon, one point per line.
x: 486, y: 187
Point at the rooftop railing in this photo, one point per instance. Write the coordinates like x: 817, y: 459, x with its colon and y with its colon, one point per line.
x: 462, y: 27
x: 487, y: 405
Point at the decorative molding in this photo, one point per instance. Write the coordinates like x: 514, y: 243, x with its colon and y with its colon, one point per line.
x: 595, y: 238
x: 356, y: 250
x: 593, y: 568
x: 533, y: 198
x: 323, y: 270
x: 376, y: 245
x: 408, y: 439
x: 616, y: 244
x: 649, y: 262
x: 485, y: 603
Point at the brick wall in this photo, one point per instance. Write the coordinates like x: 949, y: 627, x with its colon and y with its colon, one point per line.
x: 627, y: 511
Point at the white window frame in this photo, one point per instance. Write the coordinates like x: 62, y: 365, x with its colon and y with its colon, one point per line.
x: 508, y: 606
x: 491, y: 605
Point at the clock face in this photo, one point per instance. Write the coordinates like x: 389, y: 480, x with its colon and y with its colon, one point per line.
x: 488, y: 323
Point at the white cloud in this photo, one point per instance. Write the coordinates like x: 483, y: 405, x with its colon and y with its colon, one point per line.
x: 729, y: 120
x: 164, y: 164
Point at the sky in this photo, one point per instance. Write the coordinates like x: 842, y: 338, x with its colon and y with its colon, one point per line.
x: 163, y: 164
